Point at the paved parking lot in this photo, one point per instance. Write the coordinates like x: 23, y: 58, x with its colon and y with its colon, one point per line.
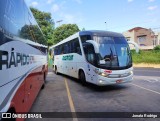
x: 65, y: 94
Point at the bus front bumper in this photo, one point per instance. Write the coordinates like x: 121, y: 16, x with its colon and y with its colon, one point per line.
x: 102, y: 81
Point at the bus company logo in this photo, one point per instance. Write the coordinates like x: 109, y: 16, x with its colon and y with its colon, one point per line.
x: 14, y: 59
x: 67, y: 57
x: 6, y: 115
x: 13, y: 115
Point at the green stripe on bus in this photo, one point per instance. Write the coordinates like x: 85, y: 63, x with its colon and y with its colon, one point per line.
x: 67, y: 57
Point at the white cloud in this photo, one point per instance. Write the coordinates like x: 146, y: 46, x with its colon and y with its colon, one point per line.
x: 70, y: 18
x: 50, y: 1
x: 151, y: 0
x: 152, y: 7
x: 34, y: 3
x: 78, y: 1
x: 130, y: 1
x: 55, y: 8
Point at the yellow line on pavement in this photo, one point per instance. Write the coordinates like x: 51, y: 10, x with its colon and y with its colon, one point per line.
x: 146, y: 88
x: 71, y: 102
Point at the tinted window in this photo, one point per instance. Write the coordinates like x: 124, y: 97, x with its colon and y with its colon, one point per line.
x: 2, y: 9
x: 84, y: 38
x: 89, y: 53
x: 72, y: 46
x: 75, y: 47
x: 55, y: 50
x: 12, y: 15
x: 31, y: 30
x: 66, y: 49
x: 114, y: 51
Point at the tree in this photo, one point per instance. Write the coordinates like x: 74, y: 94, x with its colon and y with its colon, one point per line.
x: 83, y: 29
x: 64, y: 31
x: 45, y: 22
x: 33, y: 33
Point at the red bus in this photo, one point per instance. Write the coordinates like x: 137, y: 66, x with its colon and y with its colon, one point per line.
x: 23, y: 58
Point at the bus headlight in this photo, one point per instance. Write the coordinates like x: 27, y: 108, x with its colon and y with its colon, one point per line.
x: 131, y: 72
x: 104, y: 74
x: 98, y: 71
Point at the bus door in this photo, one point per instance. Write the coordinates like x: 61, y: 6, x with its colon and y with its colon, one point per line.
x: 91, y: 61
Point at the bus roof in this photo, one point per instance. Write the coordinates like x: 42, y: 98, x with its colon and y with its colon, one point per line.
x: 89, y: 32
x: 100, y: 33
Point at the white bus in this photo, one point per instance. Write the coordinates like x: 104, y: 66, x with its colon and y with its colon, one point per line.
x: 98, y: 57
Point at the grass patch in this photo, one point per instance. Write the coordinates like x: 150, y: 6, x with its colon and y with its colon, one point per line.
x: 150, y: 57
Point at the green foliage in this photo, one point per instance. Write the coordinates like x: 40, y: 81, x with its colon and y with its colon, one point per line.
x: 49, y: 42
x: 157, y: 47
x: 32, y: 32
x: 45, y: 22
x: 152, y: 56
x: 134, y: 51
x: 64, y: 31
x: 83, y: 29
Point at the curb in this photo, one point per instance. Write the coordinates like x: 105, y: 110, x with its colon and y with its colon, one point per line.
x: 145, y: 65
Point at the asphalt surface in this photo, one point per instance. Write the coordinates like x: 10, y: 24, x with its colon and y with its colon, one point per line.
x: 65, y: 94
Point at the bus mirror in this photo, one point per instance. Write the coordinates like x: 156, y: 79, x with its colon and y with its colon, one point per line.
x: 95, y: 45
x: 135, y: 44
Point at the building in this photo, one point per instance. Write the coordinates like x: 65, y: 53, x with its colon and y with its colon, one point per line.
x: 145, y: 38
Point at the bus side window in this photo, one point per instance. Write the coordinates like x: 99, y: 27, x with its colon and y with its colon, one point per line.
x: 69, y: 47
x: 59, y: 50
x: 72, y: 47
x: 65, y: 48
x: 89, y: 53
x: 55, y: 51
x: 77, y: 47
x: 62, y: 49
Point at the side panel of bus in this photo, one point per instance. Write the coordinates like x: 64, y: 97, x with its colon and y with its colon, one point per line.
x: 23, y: 66
x: 71, y: 64
x: 67, y: 55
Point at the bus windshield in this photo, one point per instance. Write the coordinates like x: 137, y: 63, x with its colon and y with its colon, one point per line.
x: 113, y: 53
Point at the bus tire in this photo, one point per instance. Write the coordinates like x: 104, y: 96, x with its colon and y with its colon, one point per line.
x: 82, y: 78
x: 44, y: 79
x: 56, y: 70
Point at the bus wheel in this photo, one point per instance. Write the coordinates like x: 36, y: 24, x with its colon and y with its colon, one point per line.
x: 44, y: 77
x: 82, y: 78
x: 56, y: 71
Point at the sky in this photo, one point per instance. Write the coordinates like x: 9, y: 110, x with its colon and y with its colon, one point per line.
x: 110, y: 15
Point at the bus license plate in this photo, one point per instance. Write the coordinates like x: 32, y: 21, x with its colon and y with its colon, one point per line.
x: 119, y: 81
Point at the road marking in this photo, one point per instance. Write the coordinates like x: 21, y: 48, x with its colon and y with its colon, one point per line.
x: 138, y: 76
x: 146, y: 89
x: 152, y: 79
x: 50, y: 73
x: 70, y: 101
x: 147, y: 70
